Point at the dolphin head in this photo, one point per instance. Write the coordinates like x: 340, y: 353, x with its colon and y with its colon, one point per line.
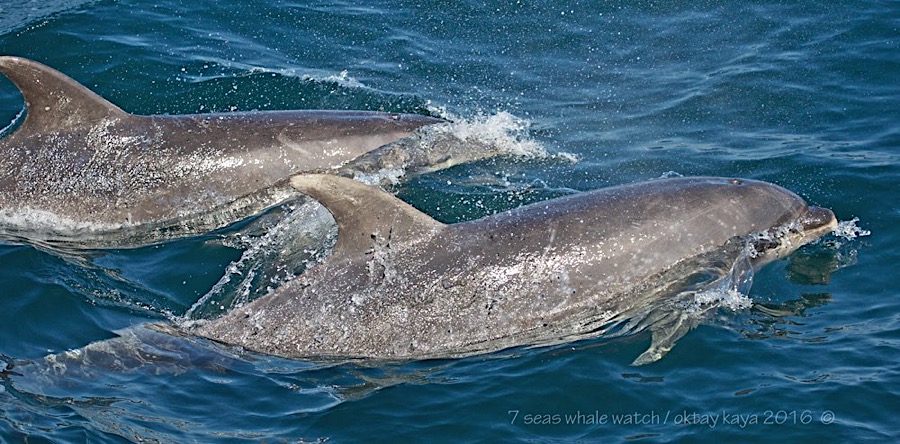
x: 793, y: 223
x: 812, y: 223
x: 769, y: 220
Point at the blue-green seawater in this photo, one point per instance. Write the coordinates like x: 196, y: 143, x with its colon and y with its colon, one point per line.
x: 803, y: 94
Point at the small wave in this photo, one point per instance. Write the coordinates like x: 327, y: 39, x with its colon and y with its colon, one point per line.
x: 342, y: 78
x: 13, y: 124
x: 670, y: 174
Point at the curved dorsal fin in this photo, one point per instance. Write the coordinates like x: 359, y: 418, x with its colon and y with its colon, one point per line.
x: 53, y: 100
x: 364, y: 213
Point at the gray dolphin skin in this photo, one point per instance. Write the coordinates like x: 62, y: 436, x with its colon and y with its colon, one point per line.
x: 400, y: 285
x: 81, y: 170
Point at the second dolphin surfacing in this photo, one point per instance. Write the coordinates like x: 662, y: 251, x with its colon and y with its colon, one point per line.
x: 401, y: 285
x: 81, y: 172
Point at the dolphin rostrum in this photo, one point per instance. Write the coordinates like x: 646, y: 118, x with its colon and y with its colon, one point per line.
x: 81, y: 170
x: 401, y: 285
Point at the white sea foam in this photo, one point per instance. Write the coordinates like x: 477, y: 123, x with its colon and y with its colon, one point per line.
x: 391, y: 175
x: 502, y: 130
x: 849, y: 229
x: 726, y: 298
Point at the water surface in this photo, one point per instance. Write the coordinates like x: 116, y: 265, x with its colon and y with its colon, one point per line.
x: 802, y: 94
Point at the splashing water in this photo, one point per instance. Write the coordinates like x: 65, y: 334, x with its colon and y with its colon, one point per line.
x: 502, y: 131
x: 730, y: 292
x: 849, y: 230
x: 294, y: 238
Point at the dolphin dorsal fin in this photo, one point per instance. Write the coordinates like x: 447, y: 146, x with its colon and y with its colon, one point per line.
x: 53, y: 100
x: 363, y: 213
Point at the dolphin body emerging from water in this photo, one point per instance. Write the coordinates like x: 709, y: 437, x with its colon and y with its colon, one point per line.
x: 400, y: 285
x: 81, y: 170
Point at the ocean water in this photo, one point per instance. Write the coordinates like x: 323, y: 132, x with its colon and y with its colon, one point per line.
x: 585, y: 95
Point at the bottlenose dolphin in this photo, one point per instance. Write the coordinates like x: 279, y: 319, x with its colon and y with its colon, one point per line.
x: 400, y: 285
x: 81, y: 170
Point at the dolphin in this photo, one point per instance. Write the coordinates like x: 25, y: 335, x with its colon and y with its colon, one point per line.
x: 79, y: 170
x: 400, y: 285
